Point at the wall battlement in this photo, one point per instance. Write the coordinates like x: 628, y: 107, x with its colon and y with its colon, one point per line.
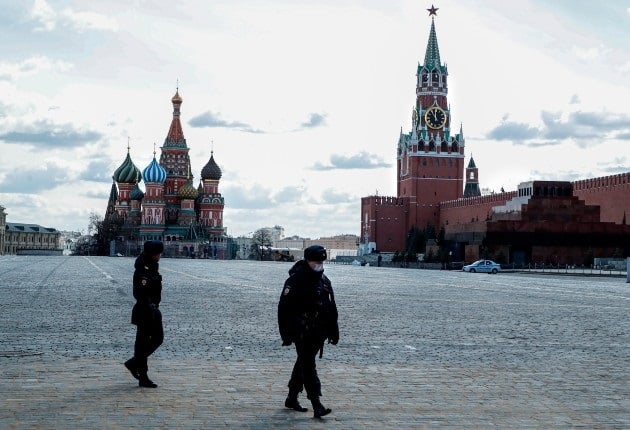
x: 387, y: 200
x: 602, y: 182
x: 497, y: 198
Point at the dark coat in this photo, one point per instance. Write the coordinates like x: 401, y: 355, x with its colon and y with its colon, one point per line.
x: 147, y: 290
x: 307, y: 308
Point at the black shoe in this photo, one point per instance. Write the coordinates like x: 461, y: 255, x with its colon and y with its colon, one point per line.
x: 319, y: 410
x: 146, y: 382
x: 132, y: 369
x: 292, y: 403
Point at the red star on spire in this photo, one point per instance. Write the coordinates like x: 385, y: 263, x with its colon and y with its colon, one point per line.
x: 433, y: 10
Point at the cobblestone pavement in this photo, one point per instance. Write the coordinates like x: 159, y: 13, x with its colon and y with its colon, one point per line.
x: 418, y: 348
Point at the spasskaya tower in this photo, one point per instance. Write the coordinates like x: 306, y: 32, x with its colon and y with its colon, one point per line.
x: 430, y: 161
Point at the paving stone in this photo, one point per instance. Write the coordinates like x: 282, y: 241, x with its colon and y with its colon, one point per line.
x: 418, y: 349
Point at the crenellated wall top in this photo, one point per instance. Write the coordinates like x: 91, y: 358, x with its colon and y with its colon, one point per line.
x: 481, y: 200
x: 602, y: 181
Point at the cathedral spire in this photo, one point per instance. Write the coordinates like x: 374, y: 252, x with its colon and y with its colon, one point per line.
x: 175, y: 136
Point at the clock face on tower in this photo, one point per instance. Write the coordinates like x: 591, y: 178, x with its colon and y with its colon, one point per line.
x: 435, y: 117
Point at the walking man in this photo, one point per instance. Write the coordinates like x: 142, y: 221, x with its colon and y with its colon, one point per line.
x: 147, y: 290
x: 307, y: 316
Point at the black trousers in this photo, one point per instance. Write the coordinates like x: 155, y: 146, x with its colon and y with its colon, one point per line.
x: 149, y: 336
x: 304, y: 373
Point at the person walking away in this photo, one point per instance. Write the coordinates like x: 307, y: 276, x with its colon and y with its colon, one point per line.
x: 307, y: 316
x: 146, y: 315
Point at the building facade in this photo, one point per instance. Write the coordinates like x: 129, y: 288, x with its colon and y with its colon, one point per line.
x: 542, y: 221
x: 31, y: 239
x: 188, y: 219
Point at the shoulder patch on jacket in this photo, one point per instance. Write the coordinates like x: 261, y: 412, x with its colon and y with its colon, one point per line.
x: 286, y: 290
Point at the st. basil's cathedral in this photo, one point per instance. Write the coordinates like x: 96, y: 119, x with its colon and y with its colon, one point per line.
x: 188, y: 220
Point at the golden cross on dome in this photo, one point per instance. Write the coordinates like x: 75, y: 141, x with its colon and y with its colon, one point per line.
x: 153, y: 149
x: 433, y: 10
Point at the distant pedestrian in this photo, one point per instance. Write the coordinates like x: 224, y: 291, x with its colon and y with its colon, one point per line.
x: 146, y: 315
x: 307, y: 316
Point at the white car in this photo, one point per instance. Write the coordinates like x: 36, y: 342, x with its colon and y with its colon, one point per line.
x: 485, y: 266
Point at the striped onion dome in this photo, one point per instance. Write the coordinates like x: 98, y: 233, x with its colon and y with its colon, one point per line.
x: 136, y: 193
x: 127, y: 173
x: 188, y: 191
x: 154, y: 172
x: 211, y: 170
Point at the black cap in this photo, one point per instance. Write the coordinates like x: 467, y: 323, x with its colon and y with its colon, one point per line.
x: 153, y: 247
x: 315, y: 253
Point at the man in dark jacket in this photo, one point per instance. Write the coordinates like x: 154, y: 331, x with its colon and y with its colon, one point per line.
x: 307, y: 316
x: 147, y: 290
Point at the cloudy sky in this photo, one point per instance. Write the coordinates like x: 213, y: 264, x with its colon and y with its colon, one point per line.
x: 301, y: 100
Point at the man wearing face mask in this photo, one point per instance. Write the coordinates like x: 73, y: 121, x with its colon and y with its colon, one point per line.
x: 146, y: 315
x: 307, y: 316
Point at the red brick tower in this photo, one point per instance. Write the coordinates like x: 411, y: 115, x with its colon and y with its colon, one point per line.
x: 430, y: 158
x: 430, y: 162
x: 176, y: 161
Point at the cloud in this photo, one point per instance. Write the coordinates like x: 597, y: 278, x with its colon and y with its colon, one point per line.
x: 211, y: 120
x: 555, y: 128
x: 589, y: 54
x: 31, y: 66
x: 331, y: 196
x: 362, y: 160
x: 557, y: 175
x: 315, y: 120
x: 582, y: 127
x: 601, y: 121
x: 48, y: 19
x: 35, y: 180
x: 44, y: 15
x: 45, y: 134
x: 616, y: 165
x: 83, y: 21
x: 97, y: 171
x: 516, y: 131
x: 255, y: 197
x: 289, y: 194
x: 96, y: 194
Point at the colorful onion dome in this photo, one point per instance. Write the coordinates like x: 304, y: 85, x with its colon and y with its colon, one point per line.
x: 188, y: 191
x: 211, y: 170
x: 136, y: 193
x: 127, y: 173
x: 154, y: 172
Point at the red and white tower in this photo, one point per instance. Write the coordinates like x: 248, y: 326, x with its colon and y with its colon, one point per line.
x: 153, y: 204
x: 175, y: 160
x: 211, y: 203
x: 429, y: 164
x: 430, y: 158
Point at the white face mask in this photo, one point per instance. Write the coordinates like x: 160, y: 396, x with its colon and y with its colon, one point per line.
x: 317, y: 267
